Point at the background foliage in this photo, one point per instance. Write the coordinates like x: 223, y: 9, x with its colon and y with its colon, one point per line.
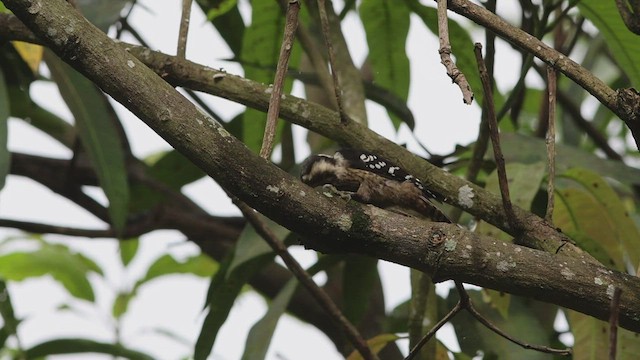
x: 596, y: 193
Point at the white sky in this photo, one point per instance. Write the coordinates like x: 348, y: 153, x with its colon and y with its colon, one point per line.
x: 175, y: 303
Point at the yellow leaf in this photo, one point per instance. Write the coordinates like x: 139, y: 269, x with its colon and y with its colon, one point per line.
x: 376, y: 344
x: 30, y: 53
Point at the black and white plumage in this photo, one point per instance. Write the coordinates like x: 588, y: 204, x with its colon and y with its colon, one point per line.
x: 371, y: 179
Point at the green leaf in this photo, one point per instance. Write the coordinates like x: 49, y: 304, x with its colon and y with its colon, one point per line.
x: 4, y: 335
x: 396, y: 321
x: 68, y: 268
x: 223, y: 291
x: 459, y: 355
x: 624, y: 45
x: 128, y: 250
x: 499, y: 300
x: 5, y: 156
x: 169, y: 167
x: 524, y: 183
x: 23, y: 107
x: 523, y: 323
x: 222, y: 8
x: 261, y: 332
x: 527, y: 150
x: 250, y: 245
x: 229, y: 24
x: 87, y: 263
x: 99, y: 136
x: 360, y: 276
x: 18, y: 79
x: 102, y: 13
x: 613, y: 227
x: 15, y: 98
x: 579, y: 216
x: 423, y: 312
x: 8, y: 316
x: 121, y: 303
x: 78, y: 346
x: 173, y: 336
x: 199, y: 265
x: 175, y: 170
x: 591, y: 339
x: 386, y: 24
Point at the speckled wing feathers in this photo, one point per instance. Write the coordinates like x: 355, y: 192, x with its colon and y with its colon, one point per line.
x: 366, y: 161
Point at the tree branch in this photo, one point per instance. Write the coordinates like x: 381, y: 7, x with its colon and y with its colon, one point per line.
x: 351, y: 96
x: 131, y: 230
x: 492, y: 124
x: 416, y: 349
x: 456, y: 191
x: 468, y: 305
x: 305, y: 279
x: 326, y: 33
x: 623, y: 102
x: 443, y: 251
x: 630, y: 18
x: 445, y: 54
x: 281, y: 71
x: 613, y: 324
x: 214, y: 235
x: 184, y: 28
x: 550, y: 140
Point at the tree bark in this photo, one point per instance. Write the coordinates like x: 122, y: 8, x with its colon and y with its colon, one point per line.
x: 443, y: 251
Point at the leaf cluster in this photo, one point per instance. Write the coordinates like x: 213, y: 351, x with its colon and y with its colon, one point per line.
x: 595, y: 193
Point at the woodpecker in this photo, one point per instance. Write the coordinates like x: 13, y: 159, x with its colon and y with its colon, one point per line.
x: 371, y: 179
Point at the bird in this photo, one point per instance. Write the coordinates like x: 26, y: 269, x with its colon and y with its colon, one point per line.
x: 371, y: 179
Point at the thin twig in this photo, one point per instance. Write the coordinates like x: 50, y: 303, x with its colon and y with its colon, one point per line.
x: 324, y: 20
x: 481, y: 144
x: 124, y: 25
x: 613, y: 323
x: 495, y: 139
x: 570, y: 108
x: 281, y: 72
x: 484, y: 321
x: 630, y: 18
x: 462, y: 304
x: 465, y: 302
x: 623, y: 102
x: 456, y: 309
x: 305, y: 279
x: 445, y: 54
x: 131, y: 230
x: 421, y: 288
x: 261, y: 228
x: 123, y: 21
x: 551, y: 142
x: 318, y: 62
x: 516, y: 92
x: 184, y: 28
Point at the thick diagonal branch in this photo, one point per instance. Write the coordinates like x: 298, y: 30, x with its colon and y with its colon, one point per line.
x: 441, y: 250
x: 458, y: 192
